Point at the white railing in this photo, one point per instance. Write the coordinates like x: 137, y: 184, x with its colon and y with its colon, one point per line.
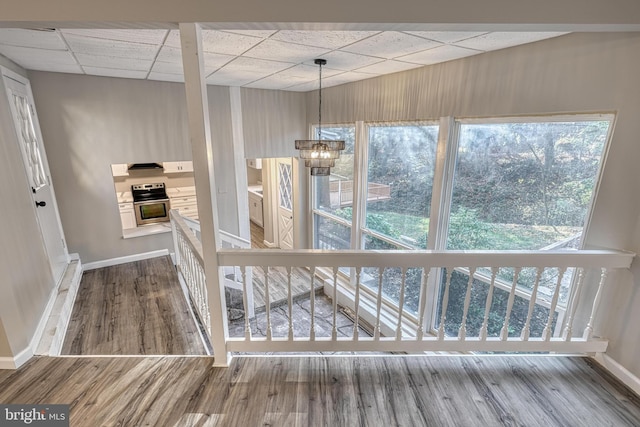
x: 189, y: 261
x: 390, y: 331
x: 190, y: 265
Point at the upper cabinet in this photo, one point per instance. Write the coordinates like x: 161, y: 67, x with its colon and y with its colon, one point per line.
x: 254, y: 163
x: 178, y: 167
x: 120, y: 169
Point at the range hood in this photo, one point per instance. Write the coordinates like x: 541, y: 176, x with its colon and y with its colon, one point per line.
x: 142, y: 166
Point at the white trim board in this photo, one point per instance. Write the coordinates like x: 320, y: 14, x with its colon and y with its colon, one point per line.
x: 618, y: 371
x: 125, y: 259
x: 16, y: 361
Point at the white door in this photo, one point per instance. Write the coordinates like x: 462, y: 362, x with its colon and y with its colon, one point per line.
x: 30, y: 139
x: 285, y: 203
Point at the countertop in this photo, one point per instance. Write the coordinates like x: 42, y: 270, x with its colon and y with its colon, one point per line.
x: 124, y: 197
x: 256, y: 189
x: 181, y: 191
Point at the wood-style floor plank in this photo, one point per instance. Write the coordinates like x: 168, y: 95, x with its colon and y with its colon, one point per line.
x: 327, y: 391
x: 132, y: 309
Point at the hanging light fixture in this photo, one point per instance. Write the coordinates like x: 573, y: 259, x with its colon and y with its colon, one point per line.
x: 318, y: 154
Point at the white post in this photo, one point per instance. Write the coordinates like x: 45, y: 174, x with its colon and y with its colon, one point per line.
x: 462, y: 332
x: 200, y: 136
x: 588, y: 331
x: 504, y: 332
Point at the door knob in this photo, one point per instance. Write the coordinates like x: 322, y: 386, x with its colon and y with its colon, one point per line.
x: 41, y: 204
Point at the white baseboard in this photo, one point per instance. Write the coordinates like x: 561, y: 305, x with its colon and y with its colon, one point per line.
x: 619, y: 371
x: 16, y: 361
x: 124, y: 259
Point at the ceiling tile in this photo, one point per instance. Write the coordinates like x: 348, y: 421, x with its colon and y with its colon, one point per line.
x: 170, y: 54
x: 133, y: 36
x: 439, y: 54
x: 325, y: 39
x: 390, y: 44
x: 308, y: 72
x: 387, y: 67
x: 348, y: 77
x: 113, y: 63
x: 500, y: 40
x: 167, y: 67
x: 289, y: 52
x: 446, y: 36
x: 176, y: 78
x: 346, y: 61
x: 32, y: 38
x: 223, y: 77
x: 110, y: 72
x: 277, y: 81
x: 258, y: 66
x: 218, y: 42
x: 38, y: 59
x: 254, y: 33
x: 117, y: 49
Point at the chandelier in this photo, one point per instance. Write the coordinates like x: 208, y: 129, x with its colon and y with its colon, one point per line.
x: 319, y: 155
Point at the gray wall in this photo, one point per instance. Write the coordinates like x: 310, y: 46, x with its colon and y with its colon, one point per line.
x: 594, y: 72
x: 88, y: 123
x: 26, y: 280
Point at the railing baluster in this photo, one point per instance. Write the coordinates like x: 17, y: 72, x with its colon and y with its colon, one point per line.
x: 546, y: 333
x: 504, y: 332
x: 462, y: 333
x: 426, y: 272
x: 588, y: 331
x: 401, y: 304
x: 267, y: 300
x: 376, y: 331
x: 247, y: 326
x: 356, y: 335
x: 568, y: 329
x: 526, y: 330
x: 487, y: 306
x: 312, y: 302
x: 445, y: 303
x: 334, y: 330
x: 290, y: 303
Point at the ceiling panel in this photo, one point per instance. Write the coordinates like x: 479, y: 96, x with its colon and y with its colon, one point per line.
x: 390, y: 44
x: 325, y: 39
x: 32, y: 38
x: 155, y: 37
x: 114, y: 48
x: 269, y: 59
x: 501, y: 40
x: 287, y: 52
x: 439, y: 54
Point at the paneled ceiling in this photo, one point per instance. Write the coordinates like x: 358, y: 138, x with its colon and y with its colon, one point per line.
x: 265, y: 59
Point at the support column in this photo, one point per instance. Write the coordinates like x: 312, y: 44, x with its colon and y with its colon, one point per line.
x: 200, y: 137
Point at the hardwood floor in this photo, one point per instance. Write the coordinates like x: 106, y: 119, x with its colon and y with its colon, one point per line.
x: 257, y: 236
x: 326, y: 391
x: 134, y: 308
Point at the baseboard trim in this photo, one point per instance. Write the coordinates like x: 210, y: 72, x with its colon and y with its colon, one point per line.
x: 124, y: 259
x: 16, y: 361
x: 269, y: 244
x: 619, y: 371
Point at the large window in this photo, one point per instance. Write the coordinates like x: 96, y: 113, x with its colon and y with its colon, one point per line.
x: 512, y: 184
x: 333, y: 198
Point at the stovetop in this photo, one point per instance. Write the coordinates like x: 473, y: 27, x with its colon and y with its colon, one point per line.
x: 147, y: 192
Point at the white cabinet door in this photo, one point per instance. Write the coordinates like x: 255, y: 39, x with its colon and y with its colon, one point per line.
x: 120, y: 169
x: 255, y: 209
x: 178, y: 167
x: 127, y: 216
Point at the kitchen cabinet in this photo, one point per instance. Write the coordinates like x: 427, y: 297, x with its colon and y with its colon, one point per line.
x: 255, y: 209
x: 120, y: 169
x: 185, y: 202
x: 255, y: 163
x: 127, y: 215
x: 178, y: 167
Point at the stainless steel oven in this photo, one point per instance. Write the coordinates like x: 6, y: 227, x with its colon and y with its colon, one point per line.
x: 151, y: 203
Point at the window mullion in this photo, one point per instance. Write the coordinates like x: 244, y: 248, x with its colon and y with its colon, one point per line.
x: 360, y: 165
